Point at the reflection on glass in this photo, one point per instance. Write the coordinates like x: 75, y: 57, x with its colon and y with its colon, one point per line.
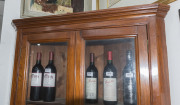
x: 123, y: 58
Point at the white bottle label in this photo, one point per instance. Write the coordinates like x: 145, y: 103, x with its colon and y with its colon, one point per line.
x: 49, y: 80
x: 110, y: 89
x: 89, y: 73
x: 109, y: 73
x: 36, y: 79
x: 48, y: 70
x: 91, y: 84
x: 129, y: 75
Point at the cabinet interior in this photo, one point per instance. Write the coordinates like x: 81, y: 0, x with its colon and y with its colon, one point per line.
x: 60, y: 62
x: 100, y: 49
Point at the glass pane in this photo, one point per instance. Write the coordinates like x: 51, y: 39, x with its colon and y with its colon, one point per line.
x: 117, y: 84
x: 59, y: 51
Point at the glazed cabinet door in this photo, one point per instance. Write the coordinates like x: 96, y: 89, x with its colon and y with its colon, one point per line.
x: 129, y: 84
x: 62, y: 44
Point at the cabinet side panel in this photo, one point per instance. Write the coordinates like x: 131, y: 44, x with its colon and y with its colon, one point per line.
x: 163, y: 69
x: 153, y: 62
x: 160, y: 93
x: 16, y: 67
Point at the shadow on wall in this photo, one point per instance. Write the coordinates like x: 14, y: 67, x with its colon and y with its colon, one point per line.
x: 1, y: 15
x: 179, y: 14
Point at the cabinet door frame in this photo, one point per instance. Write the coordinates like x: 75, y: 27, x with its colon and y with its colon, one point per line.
x: 19, y: 98
x: 141, y: 51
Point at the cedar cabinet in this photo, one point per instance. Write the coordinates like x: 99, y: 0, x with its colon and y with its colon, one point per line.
x: 73, y: 36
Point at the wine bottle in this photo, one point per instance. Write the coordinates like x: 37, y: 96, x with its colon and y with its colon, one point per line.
x: 49, y: 81
x: 110, y: 82
x: 36, y: 80
x: 91, y: 82
x: 129, y: 81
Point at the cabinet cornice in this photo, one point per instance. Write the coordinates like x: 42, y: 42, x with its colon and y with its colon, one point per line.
x: 101, y: 15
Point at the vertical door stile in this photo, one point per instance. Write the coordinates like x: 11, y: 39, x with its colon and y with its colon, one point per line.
x: 79, y: 69
x: 144, y: 89
x: 23, y: 70
x: 70, y: 70
x: 16, y: 67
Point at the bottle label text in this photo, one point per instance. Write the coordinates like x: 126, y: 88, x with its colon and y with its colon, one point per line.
x: 36, y: 79
x: 49, y: 80
x: 110, y: 89
x: 91, y: 85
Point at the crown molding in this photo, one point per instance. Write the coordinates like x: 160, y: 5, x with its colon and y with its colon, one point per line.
x: 106, y: 14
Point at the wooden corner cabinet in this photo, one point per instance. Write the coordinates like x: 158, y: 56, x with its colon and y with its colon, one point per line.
x: 72, y: 37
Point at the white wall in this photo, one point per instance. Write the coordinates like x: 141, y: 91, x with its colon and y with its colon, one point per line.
x: 7, y: 47
x: 123, y: 3
x: 172, y: 22
x: 87, y: 5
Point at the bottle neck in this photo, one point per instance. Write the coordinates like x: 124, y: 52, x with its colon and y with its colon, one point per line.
x: 109, y: 62
x: 129, y: 62
x: 51, y: 61
x: 38, y: 62
x: 51, y: 57
x: 129, y: 57
x: 91, y: 58
x: 91, y: 63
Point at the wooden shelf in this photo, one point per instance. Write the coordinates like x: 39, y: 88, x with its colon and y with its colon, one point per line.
x: 56, y: 102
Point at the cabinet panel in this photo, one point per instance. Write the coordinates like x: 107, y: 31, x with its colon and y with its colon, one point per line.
x: 99, y: 42
x: 63, y: 48
x: 126, y: 77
